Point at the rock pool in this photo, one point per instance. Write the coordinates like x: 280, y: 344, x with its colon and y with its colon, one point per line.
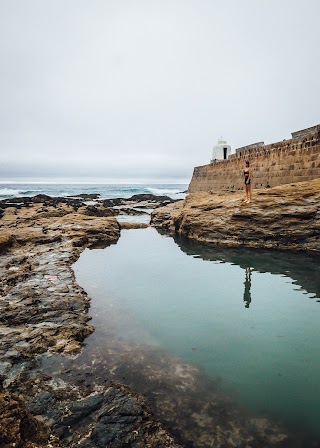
x: 248, y: 320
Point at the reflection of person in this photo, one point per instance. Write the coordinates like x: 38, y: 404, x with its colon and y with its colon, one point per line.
x: 247, y: 287
x: 247, y: 172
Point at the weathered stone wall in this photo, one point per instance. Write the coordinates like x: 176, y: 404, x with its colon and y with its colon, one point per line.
x: 285, y: 162
x: 304, y: 132
x: 252, y: 146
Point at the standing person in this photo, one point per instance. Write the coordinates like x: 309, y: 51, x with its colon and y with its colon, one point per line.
x: 247, y: 172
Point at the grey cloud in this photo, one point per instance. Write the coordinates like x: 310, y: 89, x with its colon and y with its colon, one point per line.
x: 141, y: 89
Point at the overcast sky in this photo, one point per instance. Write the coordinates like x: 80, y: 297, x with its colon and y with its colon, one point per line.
x: 140, y: 90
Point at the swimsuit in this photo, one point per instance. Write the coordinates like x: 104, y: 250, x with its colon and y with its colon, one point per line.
x: 247, y: 181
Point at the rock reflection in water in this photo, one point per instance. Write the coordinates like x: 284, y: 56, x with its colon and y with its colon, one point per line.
x: 303, y: 269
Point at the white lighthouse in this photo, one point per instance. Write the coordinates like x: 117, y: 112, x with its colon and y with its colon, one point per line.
x: 221, y: 151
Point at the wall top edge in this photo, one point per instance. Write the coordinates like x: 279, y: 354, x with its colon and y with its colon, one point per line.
x: 297, y: 135
x: 252, y: 146
x: 307, y: 131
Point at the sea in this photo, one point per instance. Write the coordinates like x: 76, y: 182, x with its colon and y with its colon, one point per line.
x: 106, y: 190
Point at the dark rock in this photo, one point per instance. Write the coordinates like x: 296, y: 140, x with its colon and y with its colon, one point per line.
x: 92, y: 210
x: 15, y: 202
x: 81, y: 409
x: 18, y: 428
x: 72, y: 202
x: 116, y: 417
x: 130, y: 211
x: 150, y: 197
x: 113, y: 202
x: 41, y: 198
x: 6, y: 241
x: 41, y: 403
x: 86, y: 196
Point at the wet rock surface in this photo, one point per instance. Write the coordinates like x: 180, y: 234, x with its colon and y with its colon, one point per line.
x: 43, y: 310
x: 41, y: 199
x: 182, y: 397
x: 286, y: 217
x: 114, y: 417
x: 149, y: 200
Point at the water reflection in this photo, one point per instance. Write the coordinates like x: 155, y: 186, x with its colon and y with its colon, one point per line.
x: 302, y: 268
x: 247, y: 287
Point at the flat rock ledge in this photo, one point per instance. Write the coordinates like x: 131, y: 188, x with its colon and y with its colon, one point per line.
x: 285, y: 217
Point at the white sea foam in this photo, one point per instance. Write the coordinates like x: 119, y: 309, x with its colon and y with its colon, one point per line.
x: 105, y: 190
x: 5, y: 192
x: 163, y: 191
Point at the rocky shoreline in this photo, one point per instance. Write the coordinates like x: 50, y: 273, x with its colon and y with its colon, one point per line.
x: 43, y: 310
x: 44, y: 315
x: 285, y: 217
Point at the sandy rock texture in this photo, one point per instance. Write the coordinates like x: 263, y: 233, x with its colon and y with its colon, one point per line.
x: 284, y: 217
x: 41, y: 306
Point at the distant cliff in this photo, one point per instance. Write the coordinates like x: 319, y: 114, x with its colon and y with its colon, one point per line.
x: 286, y: 162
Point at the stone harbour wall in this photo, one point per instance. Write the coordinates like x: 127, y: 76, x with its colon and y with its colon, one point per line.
x: 285, y: 162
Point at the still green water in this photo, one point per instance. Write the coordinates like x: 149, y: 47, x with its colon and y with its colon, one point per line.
x: 248, y: 317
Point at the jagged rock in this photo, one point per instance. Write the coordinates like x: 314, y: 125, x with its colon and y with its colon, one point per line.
x: 113, y: 202
x: 86, y: 196
x: 150, y: 197
x: 284, y: 217
x: 39, y: 198
x: 93, y: 210
x: 129, y: 211
x: 44, y: 199
x: 151, y: 200
x: 116, y: 417
x: 18, y: 428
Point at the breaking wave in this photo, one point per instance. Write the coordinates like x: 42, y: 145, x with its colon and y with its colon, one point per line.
x: 13, y: 192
